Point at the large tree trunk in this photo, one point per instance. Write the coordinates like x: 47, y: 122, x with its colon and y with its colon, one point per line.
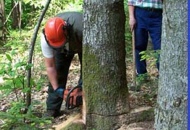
x: 171, y: 111
x: 104, y: 69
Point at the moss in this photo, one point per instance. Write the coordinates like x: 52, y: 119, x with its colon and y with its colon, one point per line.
x: 74, y: 126
x: 102, y: 123
x: 146, y: 115
x: 103, y: 86
x: 91, y: 78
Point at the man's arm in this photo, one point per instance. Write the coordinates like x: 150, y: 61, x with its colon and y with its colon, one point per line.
x: 51, y: 72
x: 49, y: 62
x: 132, y: 20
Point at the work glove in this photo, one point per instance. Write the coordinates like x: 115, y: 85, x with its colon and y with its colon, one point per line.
x: 59, y: 92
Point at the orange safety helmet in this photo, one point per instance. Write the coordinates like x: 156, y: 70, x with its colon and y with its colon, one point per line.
x: 55, y: 32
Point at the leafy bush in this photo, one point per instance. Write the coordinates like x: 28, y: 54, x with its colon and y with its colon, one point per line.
x: 13, y: 71
x: 150, y: 55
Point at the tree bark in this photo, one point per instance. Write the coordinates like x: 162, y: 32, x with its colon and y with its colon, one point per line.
x: 16, y: 14
x: 171, y: 110
x: 2, y: 20
x: 31, y: 50
x: 104, y: 69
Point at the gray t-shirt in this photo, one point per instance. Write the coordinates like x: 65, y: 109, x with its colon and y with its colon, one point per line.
x: 75, y: 19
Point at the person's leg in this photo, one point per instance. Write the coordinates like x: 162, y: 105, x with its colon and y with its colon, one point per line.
x: 155, y: 30
x: 141, y: 39
x: 141, y: 42
x: 63, y: 62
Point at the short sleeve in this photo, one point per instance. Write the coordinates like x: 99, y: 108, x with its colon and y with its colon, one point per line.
x: 46, y: 50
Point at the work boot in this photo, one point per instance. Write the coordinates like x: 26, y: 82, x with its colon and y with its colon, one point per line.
x: 51, y: 114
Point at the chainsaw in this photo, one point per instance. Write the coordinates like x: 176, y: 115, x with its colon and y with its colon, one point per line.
x: 73, y: 97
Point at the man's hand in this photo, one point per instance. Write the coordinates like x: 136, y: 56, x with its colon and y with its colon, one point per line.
x: 132, y: 20
x: 132, y: 23
x: 59, y: 92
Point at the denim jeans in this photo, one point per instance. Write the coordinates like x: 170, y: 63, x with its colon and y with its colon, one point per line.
x: 63, y: 62
x: 149, y: 22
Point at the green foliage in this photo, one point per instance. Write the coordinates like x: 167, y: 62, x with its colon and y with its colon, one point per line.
x: 15, y: 119
x: 128, y: 34
x: 59, y: 6
x: 14, y: 76
x: 75, y: 5
x: 14, y: 66
x: 142, y: 77
x: 13, y: 71
x: 7, y: 12
x: 128, y: 39
x: 26, y: 13
x: 31, y: 10
x: 150, y: 55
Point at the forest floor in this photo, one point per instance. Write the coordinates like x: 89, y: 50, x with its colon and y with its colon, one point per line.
x: 145, y: 98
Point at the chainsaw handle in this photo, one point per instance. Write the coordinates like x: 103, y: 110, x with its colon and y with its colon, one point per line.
x: 68, y: 98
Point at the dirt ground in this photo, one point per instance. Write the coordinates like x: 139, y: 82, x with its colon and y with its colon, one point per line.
x: 145, y: 98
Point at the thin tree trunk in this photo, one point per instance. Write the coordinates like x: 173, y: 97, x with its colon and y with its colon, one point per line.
x: 171, y: 110
x: 33, y: 40
x: 16, y: 14
x: 2, y: 20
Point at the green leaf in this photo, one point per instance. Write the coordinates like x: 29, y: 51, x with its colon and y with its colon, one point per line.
x: 9, y: 57
x: 29, y: 66
x: 19, y: 64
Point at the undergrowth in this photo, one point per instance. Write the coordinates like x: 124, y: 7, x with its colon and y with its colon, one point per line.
x: 13, y: 72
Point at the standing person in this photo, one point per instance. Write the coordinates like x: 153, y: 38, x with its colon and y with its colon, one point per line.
x: 60, y: 41
x: 145, y: 18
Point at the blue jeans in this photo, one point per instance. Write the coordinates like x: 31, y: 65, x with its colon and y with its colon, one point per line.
x: 63, y: 62
x: 148, y: 23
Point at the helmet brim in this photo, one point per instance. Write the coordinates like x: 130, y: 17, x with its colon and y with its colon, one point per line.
x: 57, y: 44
